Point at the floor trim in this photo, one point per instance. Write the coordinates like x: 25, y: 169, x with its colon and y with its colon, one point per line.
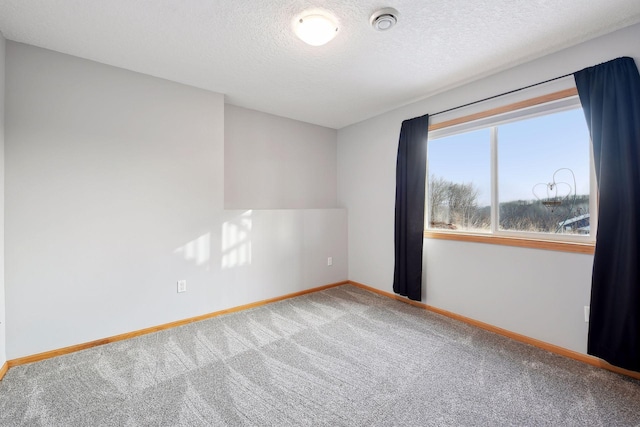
x: 3, y: 370
x: 590, y: 360
x: 594, y: 361
x: 72, y: 349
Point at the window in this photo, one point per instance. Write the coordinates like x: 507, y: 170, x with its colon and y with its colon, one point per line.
x: 459, y: 182
x: 523, y: 173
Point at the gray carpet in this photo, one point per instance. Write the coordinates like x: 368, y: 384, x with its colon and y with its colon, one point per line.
x: 340, y: 357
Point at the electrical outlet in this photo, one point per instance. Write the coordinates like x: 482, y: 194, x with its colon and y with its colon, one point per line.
x: 182, y: 286
x: 330, y: 261
x: 586, y: 313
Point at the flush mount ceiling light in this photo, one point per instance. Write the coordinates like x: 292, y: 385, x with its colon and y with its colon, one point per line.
x: 315, y: 28
x: 384, y: 19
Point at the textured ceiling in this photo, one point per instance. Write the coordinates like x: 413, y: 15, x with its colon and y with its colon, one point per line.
x: 246, y: 50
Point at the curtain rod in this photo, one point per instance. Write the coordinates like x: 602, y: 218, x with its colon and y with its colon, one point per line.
x: 499, y: 95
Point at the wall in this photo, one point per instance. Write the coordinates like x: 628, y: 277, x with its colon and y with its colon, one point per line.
x: 3, y: 353
x: 537, y: 293
x: 268, y: 253
x: 115, y: 190
x: 277, y: 163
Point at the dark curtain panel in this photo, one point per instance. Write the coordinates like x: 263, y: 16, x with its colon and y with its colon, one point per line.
x: 610, y: 97
x: 411, y: 172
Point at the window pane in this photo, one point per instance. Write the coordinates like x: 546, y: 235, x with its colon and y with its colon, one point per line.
x: 543, y: 174
x: 459, y: 192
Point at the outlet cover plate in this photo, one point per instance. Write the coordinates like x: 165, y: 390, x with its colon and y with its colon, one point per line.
x: 182, y: 286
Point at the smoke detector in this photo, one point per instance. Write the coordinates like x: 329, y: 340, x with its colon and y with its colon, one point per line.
x: 384, y: 19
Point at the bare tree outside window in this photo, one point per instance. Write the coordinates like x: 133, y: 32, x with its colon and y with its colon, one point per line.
x: 454, y: 206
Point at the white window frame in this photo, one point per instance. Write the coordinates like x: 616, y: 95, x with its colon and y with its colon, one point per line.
x: 495, y: 235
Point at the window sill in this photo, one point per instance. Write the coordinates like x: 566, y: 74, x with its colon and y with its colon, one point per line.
x: 550, y: 245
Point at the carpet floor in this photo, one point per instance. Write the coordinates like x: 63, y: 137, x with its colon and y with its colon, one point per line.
x: 339, y: 357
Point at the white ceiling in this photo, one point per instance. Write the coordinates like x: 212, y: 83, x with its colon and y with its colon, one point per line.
x: 246, y: 50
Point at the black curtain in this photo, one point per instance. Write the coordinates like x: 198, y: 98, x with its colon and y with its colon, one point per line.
x: 411, y: 169
x: 610, y: 97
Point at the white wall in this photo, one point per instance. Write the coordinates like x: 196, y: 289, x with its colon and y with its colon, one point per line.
x: 3, y: 353
x: 537, y: 293
x: 114, y: 191
x: 268, y: 253
x: 277, y: 163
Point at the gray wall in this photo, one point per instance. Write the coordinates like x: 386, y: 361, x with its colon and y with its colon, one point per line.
x: 537, y: 293
x: 276, y: 163
x: 3, y: 353
x: 115, y: 190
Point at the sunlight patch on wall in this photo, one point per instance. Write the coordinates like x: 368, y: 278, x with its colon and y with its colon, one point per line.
x: 197, y: 250
x: 236, y: 241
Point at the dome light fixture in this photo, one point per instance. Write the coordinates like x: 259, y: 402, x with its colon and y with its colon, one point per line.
x: 315, y: 28
x: 384, y: 19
